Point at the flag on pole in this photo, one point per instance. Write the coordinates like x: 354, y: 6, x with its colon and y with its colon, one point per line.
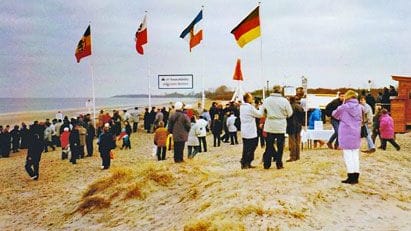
x: 189, y: 32
x: 84, y: 45
x: 248, y: 29
x: 238, y: 74
x: 141, y: 36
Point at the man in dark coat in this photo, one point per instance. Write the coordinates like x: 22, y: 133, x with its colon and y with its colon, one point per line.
x: 105, y: 144
x: 152, y: 118
x: 179, y: 125
x: 91, y: 133
x: 74, y: 140
x: 15, y: 136
x: 5, y: 141
x: 370, y: 100
x: 334, y: 122
x: 24, y: 133
x: 35, y: 148
x: 147, y: 120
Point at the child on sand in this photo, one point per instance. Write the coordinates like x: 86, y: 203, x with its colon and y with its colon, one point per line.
x: 126, y: 139
x: 387, y: 130
x: 160, y: 139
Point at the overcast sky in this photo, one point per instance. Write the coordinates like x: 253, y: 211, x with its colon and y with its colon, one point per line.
x: 332, y: 43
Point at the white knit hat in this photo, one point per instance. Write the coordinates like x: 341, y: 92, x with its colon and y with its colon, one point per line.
x: 178, y: 105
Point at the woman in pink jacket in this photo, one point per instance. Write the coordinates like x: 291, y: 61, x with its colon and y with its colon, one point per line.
x: 387, y: 130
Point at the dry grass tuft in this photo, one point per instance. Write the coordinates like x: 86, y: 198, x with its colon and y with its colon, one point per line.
x: 214, y: 225
x: 117, y: 176
x: 317, y: 197
x: 204, y: 206
x: 134, y: 191
x: 161, y: 178
x: 158, y: 173
x: 251, y: 209
x: 91, y: 203
x: 198, y: 225
x: 97, y: 187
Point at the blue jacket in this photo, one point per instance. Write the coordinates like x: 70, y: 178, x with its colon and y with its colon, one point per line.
x: 315, y: 115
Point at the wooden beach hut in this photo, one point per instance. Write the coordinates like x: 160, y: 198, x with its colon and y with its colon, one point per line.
x: 401, y: 104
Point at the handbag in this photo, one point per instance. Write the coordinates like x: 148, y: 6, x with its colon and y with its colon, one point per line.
x: 364, y: 132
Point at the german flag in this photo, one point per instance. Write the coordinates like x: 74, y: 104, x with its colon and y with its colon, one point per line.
x: 248, y: 29
x: 84, y: 45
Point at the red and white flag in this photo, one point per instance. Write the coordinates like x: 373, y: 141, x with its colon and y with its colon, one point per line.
x: 141, y: 36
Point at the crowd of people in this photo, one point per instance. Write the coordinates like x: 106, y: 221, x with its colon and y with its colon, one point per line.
x: 266, y: 123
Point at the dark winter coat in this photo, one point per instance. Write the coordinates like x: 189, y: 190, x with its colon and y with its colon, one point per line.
x: 295, y: 122
x: 179, y: 125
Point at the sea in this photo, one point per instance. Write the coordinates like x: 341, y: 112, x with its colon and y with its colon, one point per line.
x: 15, y: 105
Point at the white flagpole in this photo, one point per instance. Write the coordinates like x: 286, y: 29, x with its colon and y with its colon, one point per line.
x: 148, y: 73
x: 261, y: 53
x: 202, y: 77
x: 92, y: 83
x: 94, y: 96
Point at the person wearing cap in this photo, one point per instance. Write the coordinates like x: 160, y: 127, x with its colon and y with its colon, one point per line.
x: 65, y: 145
x: 106, y: 142
x: 350, y: 115
x: 179, y: 126
x: 278, y: 110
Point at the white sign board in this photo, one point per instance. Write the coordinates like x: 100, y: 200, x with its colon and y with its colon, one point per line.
x: 181, y: 81
x: 289, y: 91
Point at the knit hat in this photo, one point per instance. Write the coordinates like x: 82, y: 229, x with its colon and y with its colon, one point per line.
x: 178, y: 105
x: 350, y: 94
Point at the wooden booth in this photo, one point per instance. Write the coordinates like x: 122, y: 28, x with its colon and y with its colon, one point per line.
x: 401, y: 104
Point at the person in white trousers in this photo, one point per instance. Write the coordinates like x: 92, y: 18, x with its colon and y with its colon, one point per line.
x: 350, y: 115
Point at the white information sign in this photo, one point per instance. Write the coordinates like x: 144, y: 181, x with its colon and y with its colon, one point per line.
x: 177, y: 81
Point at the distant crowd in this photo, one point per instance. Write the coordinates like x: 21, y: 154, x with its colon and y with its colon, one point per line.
x: 264, y: 123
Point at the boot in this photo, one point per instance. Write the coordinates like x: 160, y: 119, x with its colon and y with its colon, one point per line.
x: 349, y: 179
x: 355, y: 178
x: 279, y: 165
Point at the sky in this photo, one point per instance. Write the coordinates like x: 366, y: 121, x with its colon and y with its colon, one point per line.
x: 332, y: 43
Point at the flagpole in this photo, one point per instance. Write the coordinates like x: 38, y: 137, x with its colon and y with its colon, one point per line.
x: 92, y: 83
x: 148, y: 75
x: 261, y: 54
x: 202, y: 77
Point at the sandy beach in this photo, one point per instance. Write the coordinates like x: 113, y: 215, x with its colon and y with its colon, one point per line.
x: 209, y: 192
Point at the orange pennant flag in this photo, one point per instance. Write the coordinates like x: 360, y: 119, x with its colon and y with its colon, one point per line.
x: 238, y: 75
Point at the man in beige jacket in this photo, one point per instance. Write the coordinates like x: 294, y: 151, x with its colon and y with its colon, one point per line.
x: 278, y: 110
